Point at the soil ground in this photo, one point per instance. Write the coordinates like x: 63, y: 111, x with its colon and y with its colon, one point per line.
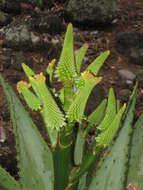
x: 130, y: 18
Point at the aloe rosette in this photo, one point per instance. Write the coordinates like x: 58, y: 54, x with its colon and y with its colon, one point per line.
x: 64, y: 163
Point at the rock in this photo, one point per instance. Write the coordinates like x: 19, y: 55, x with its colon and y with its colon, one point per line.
x: 21, y: 57
x: 126, y: 75
x: 96, y: 96
x: 22, y: 38
x: 136, y: 55
x: 4, y: 19
x: 124, y: 94
x: 10, y: 6
x: 52, y: 25
x: 131, y: 45
x: 18, y: 37
x: 91, y: 11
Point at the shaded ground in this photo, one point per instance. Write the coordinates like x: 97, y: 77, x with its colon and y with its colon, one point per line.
x: 130, y: 18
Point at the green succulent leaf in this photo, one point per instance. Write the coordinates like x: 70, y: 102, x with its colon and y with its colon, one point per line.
x: 135, y: 171
x: 82, y: 182
x: 96, y: 116
x: 80, y: 56
x: 112, y: 172
x: 79, y: 146
x: 7, y: 182
x: 76, y: 110
x: 106, y: 137
x: 68, y: 98
x: 62, y: 96
x: 65, y: 70
x: 95, y: 66
x: 27, y: 70
x: 34, y: 157
x: 32, y: 101
x: 110, y: 111
x: 52, y: 115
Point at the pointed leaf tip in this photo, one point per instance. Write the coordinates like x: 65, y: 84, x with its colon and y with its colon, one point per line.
x: 96, y: 65
x: 28, y: 71
x: 110, y: 111
x: 106, y: 137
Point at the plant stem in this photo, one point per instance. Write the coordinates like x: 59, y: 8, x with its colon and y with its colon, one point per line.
x: 63, y: 160
x: 79, y: 170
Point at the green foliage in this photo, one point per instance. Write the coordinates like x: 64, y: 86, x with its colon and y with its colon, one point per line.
x: 66, y: 71
x: 110, y: 111
x: 7, y: 181
x: 57, y: 166
x: 114, y: 166
x: 135, y: 172
x: 34, y: 157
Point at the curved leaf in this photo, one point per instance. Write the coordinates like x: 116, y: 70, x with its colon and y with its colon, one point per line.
x: 82, y: 182
x: 53, y: 117
x: 76, y: 110
x: 135, y: 173
x: 32, y: 101
x: 80, y: 56
x: 79, y: 146
x: 34, y: 156
x: 110, y: 111
x: 106, y: 137
x: 7, y: 182
x: 27, y: 70
x: 96, y: 116
x: 111, y: 174
x: 95, y: 66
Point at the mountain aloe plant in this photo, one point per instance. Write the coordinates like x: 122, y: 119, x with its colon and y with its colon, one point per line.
x: 65, y: 163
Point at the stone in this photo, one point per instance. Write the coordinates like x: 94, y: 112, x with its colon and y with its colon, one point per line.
x: 52, y: 25
x: 130, y: 44
x: 91, y: 12
x: 10, y: 6
x: 18, y: 37
x: 4, y: 19
x: 97, y: 95
x: 21, y: 37
x: 136, y: 55
x: 19, y: 58
x: 126, y: 75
